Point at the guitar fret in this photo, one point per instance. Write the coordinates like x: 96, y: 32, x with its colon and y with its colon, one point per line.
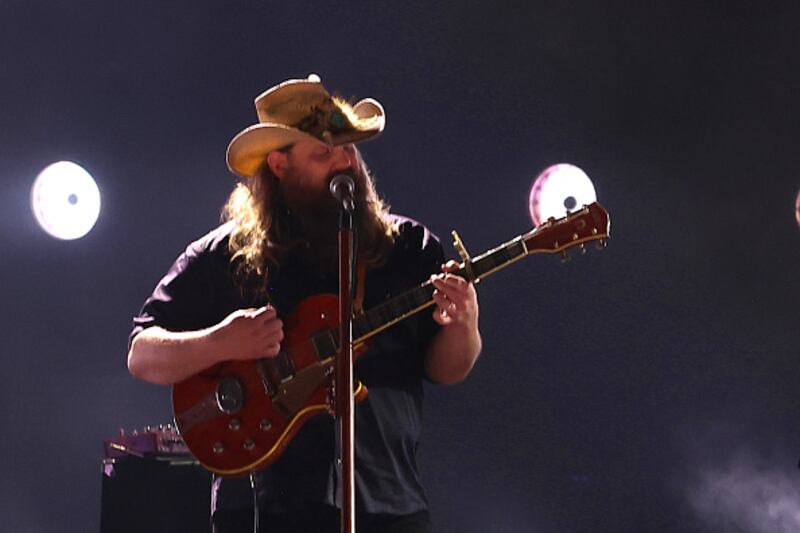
x: 360, y: 326
x: 414, y: 299
x: 501, y: 256
x: 425, y: 293
x: 403, y: 301
x: 506, y: 256
x: 520, y: 249
x: 385, y: 311
x: 370, y: 318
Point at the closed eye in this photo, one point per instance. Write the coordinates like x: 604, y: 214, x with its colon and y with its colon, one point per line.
x: 322, y: 151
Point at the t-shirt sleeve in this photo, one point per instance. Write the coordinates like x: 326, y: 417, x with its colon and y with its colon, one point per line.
x: 432, y: 259
x: 423, y: 256
x: 182, y: 300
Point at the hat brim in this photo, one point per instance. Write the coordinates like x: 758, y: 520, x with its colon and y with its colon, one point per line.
x: 248, y: 149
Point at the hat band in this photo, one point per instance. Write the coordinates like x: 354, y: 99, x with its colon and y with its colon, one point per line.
x: 325, y: 120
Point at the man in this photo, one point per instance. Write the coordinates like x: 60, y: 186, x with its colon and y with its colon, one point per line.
x: 226, y: 295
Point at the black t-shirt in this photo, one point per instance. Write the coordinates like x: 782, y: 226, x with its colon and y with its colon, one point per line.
x: 198, y: 291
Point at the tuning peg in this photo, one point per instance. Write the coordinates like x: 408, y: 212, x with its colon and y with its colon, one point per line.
x: 564, y: 256
x: 601, y: 244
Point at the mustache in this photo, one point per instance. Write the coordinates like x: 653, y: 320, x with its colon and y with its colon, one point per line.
x: 359, y: 181
x: 319, y: 201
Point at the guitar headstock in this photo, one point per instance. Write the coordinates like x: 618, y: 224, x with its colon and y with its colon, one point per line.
x: 590, y: 223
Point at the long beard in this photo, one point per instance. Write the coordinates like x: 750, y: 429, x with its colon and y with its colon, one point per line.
x: 312, y: 227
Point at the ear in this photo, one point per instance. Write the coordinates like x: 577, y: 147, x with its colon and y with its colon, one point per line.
x: 278, y: 163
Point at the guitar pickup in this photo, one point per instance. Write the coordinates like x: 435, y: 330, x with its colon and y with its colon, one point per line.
x: 264, y: 374
x: 286, y: 369
x: 324, y: 344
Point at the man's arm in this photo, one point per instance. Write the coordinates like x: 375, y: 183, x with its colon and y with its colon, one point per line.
x: 455, y: 348
x: 167, y: 357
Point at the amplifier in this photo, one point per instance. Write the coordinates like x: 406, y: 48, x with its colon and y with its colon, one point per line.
x: 148, y: 484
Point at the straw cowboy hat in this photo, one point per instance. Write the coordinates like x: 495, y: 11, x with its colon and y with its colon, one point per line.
x: 301, y: 109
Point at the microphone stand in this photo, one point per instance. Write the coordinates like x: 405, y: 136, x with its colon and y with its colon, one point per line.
x: 343, y: 387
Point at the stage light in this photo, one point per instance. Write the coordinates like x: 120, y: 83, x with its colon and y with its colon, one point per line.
x: 65, y: 200
x: 559, y: 190
x: 797, y: 208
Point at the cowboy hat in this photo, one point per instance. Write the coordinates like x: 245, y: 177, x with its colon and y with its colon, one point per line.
x: 297, y: 110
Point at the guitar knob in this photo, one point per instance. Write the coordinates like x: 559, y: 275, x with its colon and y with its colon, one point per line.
x: 249, y: 444
x: 234, y: 424
x: 582, y: 248
x: 265, y: 425
x: 601, y: 244
x: 218, y: 448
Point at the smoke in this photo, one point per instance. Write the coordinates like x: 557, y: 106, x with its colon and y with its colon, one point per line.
x: 748, y: 495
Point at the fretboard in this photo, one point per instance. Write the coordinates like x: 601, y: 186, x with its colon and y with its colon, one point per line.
x: 411, y: 302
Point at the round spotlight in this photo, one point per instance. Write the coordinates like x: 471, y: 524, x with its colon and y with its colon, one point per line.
x: 65, y: 200
x: 797, y: 208
x: 559, y: 190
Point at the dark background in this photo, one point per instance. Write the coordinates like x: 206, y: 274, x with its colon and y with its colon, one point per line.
x: 650, y: 387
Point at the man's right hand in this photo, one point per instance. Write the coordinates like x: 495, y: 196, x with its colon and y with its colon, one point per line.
x: 249, y: 334
x: 166, y: 357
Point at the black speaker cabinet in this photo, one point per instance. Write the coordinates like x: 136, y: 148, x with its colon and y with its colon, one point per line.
x: 148, y: 494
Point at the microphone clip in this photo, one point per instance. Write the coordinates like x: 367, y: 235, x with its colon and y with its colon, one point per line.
x: 343, y: 189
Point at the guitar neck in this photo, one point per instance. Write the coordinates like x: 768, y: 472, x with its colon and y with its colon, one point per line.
x: 591, y: 223
x: 411, y: 302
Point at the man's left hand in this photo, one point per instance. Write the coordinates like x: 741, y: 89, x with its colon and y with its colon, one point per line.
x: 455, y: 297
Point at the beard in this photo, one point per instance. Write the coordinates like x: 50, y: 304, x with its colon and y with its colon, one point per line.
x: 311, y: 220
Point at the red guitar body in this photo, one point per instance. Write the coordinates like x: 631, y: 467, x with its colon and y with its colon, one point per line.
x: 238, y: 416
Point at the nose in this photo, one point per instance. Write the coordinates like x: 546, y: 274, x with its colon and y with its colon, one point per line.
x: 342, y: 158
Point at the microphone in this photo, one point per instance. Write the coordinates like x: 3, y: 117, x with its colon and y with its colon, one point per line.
x: 343, y: 188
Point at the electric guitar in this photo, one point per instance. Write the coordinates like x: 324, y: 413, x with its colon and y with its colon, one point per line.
x: 239, y: 416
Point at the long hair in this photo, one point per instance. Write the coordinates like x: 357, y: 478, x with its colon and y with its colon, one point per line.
x: 261, y: 237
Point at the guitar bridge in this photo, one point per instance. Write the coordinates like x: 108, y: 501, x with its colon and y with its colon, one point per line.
x: 275, y: 372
